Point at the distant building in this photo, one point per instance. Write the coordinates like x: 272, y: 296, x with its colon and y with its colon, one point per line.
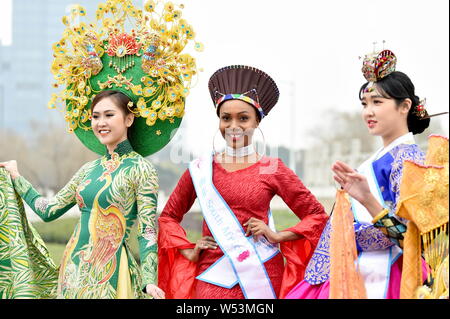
x: 25, y: 77
x: 317, y: 161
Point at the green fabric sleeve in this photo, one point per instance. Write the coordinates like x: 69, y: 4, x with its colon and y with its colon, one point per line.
x: 53, y: 208
x: 147, y: 197
x: 26, y: 268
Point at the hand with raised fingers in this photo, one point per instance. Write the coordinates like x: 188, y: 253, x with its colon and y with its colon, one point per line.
x: 11, y: 167
x: 351, y: 181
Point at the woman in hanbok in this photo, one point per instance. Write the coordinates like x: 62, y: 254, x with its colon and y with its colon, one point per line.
x: 123, y: 102
x: 238, y: 255
x: 392, y: 111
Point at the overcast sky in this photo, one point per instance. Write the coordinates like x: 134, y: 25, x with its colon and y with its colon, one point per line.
x: 313, y: 44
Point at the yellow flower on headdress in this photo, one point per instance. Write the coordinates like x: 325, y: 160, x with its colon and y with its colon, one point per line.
x: 169, y: 7
x: 56, y: 65
x: 174, y: 34
x: 83, y: 100
x: 108, y: 22
x: 147, y: 81
x: 151, y: 118
x: 176, y: 14
x: 162, y: 115
x: 154, y: 24
x: 72, y: 125
x: 187, y: 59
x: 179, y: 108
x: 52, y: 103
x: 199, y: 46
x: 66, y: 33
x: 137, y: 89
x: 161, y: 81
x: 150, y: 6
x: 101, y: 10
x: 65, y: 20
x: 168, y: 17
x: 69, y: 94
x: 172, y: 94
x: 177, y: 47
x: 81, y: 28
x: 111, y: 6
x: 148, y: 91
x: 132, y: 11
x: 163, y: 30
x: 141, y: 105
x: 190, y: 34
x: 170, y: 111
x: 156, y: 104
x: 85, y: 116
x: 81, y: 86
x: 183, y: 24
x: 77, y: 9
x: 144, y: 112
x: 187, y: 76
x: 59, y: 50
x: 184, y: 92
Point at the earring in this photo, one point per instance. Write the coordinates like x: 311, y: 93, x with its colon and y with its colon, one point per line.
x: 214, y: 139
x: 264, y: 144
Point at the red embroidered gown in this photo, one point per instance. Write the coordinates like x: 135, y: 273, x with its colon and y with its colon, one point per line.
x: 248, y: 193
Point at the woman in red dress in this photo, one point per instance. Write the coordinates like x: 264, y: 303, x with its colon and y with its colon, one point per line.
x: 238, y: 254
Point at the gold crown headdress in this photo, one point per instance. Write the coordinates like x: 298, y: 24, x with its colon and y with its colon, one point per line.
x: 377, y: 65
x: 146, y: 64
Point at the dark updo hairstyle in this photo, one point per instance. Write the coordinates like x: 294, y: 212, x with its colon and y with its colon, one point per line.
x: 120, y: 99
x: 398, y: 86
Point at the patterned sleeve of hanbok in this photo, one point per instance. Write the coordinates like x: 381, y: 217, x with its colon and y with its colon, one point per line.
x: 370, y: 238
x: 147, y: 197
x: 390, y: 224
x: 53, y: 208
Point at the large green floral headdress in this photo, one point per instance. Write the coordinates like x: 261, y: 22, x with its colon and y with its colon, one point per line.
x: 145, y: 63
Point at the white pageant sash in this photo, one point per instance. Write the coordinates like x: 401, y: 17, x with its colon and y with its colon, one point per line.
x: 243, y: 260
x: 375, y: 266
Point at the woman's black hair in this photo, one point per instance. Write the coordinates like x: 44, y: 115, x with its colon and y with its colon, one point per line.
x: 398, y: 86
x: 118, y: 97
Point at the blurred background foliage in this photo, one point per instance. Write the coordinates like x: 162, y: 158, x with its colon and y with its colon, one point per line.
x: 57, y: 233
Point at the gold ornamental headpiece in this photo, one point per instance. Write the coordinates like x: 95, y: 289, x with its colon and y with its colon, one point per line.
x: 377, y: 65
x: 137, y: 52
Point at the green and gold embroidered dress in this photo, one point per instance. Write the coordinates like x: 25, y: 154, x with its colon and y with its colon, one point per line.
x: 112, y: 193
x: 26, y: 269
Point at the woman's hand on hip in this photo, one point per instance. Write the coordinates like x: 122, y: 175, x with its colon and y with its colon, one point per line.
x: 206, y: 242
x: 257, y: 227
